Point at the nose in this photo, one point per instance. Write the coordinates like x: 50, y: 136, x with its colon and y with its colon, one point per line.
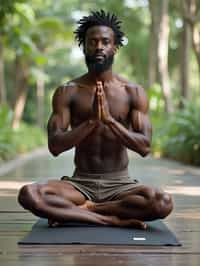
x: 99, y: 46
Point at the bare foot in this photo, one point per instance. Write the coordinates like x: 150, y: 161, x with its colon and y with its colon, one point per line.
x: 107, y: 220
x: 52, y: 223
x: 88, y: 205
x: 127, y: 223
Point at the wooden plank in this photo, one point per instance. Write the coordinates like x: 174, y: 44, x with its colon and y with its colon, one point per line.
x: 10, y: 204
x: 99, y: 260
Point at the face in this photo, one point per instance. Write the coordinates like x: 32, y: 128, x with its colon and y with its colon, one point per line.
x: 99, y: 48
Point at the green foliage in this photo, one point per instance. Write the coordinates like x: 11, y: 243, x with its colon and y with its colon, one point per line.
x: 156, y: 105
x: 6, y: 134
x: 28, y: 137
x: 183, y: 133
x: 17, y: 141
x: 156, y: 102
x: 178, y: 136
x: 7, y: 7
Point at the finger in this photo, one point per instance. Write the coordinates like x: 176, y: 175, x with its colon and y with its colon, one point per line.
x: 99, y: 105
x: 103, y: 100
x: 99, y: 111
x: 99, y: 83
x: 96, y: 91
x: 103, y: 110
x: 103, y: 95
x: 99, y: 86
x: 98, y: 101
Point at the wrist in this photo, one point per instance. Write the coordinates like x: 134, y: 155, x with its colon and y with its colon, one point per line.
x: 109, y: 120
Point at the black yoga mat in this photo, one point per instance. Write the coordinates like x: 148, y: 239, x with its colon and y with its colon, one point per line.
x: 75, y: 233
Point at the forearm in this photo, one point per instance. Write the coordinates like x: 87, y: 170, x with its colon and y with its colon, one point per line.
x: 64, y: 140
x: 132, y: 140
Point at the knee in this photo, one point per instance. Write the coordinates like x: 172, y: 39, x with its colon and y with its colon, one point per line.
x: 27, y: 197
x: 163, y: 204
x: 23, y: 196
x: 148, y: 193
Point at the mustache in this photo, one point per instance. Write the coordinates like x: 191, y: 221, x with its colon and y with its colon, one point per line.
x: 92, y: 58
x: 99, y: 53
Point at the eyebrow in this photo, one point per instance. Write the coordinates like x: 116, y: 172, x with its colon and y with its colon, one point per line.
x: 103, y: 37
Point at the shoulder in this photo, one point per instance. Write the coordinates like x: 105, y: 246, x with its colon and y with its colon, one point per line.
x: 65, y: 92
x: 137, y: 94
x: 63, y: 96
x: 66, y: 88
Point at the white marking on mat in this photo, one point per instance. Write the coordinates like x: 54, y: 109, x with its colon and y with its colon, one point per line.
x: 139, y: 238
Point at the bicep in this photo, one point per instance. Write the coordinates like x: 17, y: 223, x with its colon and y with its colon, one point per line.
x: 140, y: 123
x: 59, y: 121
x: 60, y: 117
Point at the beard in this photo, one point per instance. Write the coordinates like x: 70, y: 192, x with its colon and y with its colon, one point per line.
x: 98, y: 66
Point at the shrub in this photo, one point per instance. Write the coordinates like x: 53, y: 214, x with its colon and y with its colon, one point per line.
x: 183, y: 134
x: 23, y: 139
x: 28, y: 137
x: 6, y: 135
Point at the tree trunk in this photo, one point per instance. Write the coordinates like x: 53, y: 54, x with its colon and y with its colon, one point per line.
x: 195, y: 32
x: 193, y: 17
x: 2, y: 80
x: 153, y: 42
x: 185, y: 60
x: 163, y: 39
x: 196, y: 44
x: 40, y: 102
x: 21, y: 91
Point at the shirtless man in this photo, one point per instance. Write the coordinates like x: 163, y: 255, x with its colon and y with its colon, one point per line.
x: 107, y: 114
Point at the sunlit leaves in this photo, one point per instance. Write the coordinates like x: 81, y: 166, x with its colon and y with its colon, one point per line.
x: 25, y: 11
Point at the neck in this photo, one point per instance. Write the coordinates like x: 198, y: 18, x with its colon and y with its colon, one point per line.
x: 103, y: 76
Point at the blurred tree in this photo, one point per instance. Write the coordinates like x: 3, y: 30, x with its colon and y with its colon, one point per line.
x: 46, y: 32
x: 185, y: 44
x: 20, y: 40
x: 163, y: 40
x: 191, y: 10
x: 2, y: 79
x: 32, y: 41
x: 153, y: 45
x: 7, y: 8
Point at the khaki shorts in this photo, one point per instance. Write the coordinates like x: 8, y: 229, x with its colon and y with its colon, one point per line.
x: 101, y: 187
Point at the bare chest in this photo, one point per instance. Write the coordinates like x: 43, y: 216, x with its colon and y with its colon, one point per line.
x: 83, y: 105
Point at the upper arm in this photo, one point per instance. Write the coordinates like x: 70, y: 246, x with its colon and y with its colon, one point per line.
x: 140, y: 121
x: 60, y: 117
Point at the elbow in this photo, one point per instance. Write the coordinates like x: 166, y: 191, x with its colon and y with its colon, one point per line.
x: 53, y: 150
x: 145, y: 150
x: 54, y: 153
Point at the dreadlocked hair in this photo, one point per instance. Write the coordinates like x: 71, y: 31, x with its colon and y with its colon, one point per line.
x: 100, y: 18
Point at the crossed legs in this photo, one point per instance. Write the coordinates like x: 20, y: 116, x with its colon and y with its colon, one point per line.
x: 59, y: 202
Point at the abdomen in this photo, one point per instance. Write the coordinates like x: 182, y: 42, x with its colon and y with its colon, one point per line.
x: 101, y: 152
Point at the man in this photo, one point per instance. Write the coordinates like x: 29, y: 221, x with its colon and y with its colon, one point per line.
x: 107, y: 114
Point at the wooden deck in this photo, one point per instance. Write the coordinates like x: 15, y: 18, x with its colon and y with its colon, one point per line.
x: 182, y: 181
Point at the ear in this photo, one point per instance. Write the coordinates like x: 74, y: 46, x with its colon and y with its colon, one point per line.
x: 115, y: 49
x: 83, y: 48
